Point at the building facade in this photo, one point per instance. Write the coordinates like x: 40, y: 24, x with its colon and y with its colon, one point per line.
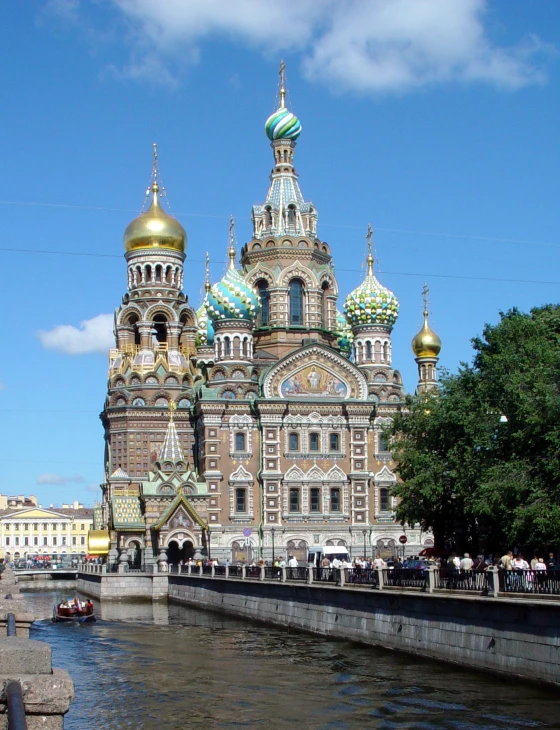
x: 33, y: 532
x: 253, y: 425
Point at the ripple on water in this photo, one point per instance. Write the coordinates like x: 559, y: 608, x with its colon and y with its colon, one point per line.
x: 184, y: 669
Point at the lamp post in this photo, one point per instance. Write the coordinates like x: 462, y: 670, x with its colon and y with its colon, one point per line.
x: 209, y: 532
x: 272, y: 531
x: 364, y: 533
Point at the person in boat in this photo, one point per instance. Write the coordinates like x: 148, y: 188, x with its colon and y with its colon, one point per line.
x: 89, y: 606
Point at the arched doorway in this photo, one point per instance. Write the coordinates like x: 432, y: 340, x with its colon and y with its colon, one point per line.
x: 176, y: 552
x: 135, y: 552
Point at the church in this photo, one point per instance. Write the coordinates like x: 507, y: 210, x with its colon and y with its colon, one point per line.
x: 252, y: 426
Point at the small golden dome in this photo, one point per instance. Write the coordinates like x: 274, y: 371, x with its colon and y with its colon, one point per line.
x: 426, y: 343
x: 155, y: 229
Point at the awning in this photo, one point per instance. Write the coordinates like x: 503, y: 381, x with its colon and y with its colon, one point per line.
x: 98, y: 542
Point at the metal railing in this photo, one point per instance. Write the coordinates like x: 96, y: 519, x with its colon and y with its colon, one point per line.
x: 405, y: 578
x: 478, y: 581
x: 530, y: 581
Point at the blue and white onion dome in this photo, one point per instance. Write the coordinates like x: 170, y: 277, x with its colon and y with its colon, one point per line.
x: 232, y: 297
x: 371, y: 302
x: 344, y: 331
x: 205, y: 330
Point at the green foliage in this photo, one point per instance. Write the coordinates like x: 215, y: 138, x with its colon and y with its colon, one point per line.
x: 473, y: 478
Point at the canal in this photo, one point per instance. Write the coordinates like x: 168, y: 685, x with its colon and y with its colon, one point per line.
x: 156, y: 667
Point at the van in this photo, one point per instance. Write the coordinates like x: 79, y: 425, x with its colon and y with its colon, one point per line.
x: 316, y: 554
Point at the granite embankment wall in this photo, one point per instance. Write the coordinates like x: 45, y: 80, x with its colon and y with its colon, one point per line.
x: 127, y: 586
x: 508, y: 636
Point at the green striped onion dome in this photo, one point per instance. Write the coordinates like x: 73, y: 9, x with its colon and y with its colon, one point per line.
x: 282, y: 125
x: 205, y: 330
x: 344, y: 332
x: 371, y: 303
x: 232, y: 298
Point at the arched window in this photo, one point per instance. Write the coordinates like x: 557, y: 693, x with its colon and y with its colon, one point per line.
x: 296, y: 302
x: 158, y: 273
x: 268, y: 217
x: 325, y: 305
x: 335, y: 500
x: 264, y: 297
x: 160, y: 328
x: 227, y: 347
x: 313, y: 442
x: 383, y: 446
x: 240, y: 500
x: 385, y: 351
x: 293, y: 440
x: 291, y: 215
x: 334, y: 442
x: 240, y: 441
x: 368, y: 350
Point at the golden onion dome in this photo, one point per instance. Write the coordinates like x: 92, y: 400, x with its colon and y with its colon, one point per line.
x: 426, y: 343
x: 155, y: 229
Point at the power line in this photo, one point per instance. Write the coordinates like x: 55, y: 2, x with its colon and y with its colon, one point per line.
x: 403, y: 231
x: 353, y: 271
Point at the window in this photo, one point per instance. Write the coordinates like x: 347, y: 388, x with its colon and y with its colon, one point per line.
x: 240, y: 442
x: 227, y: 347
x: 7, y: 541
x: 82, y: 527
x: 368, y: 350
x: 382, y: 443
x: 74, y: 525
x: 264, y: 296
x: 335, y: 500
x: 313, y: 442
x: 334, y: 442
x: 296, y: 302
x: 82, y: 540
x: 54, y: 541
x: 384, y: 500
x: 25, y: 526
x: 293, y: 441
x: 35, y: 540
x: 26, y: 541
x: 45, y: 526
x: 74, y: 540
x: 35, y: 526
x: 16, y: 526
x: 314, y: 500
x: 64, y: 541
x: 44, y: 541
x: 17, y: 540
x: 294, y: 500
x: 240, y: 500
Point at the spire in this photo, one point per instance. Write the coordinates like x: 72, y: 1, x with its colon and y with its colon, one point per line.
x: 426, y: 346
x: 231, y: 249
x: 171, y: 447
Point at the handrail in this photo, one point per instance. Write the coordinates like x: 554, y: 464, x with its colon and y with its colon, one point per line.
x: 16, y: 708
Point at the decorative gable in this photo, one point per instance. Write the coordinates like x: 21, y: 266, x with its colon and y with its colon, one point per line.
x: 385, y: 475
x: 313, y: 372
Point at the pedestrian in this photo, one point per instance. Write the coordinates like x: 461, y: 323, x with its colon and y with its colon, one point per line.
x: 506, y: 560
x: 466, y: 562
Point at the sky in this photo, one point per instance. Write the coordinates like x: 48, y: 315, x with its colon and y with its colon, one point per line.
x: 436, y: 121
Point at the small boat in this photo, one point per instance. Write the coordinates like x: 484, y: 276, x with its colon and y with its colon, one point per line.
x: 74, y: 612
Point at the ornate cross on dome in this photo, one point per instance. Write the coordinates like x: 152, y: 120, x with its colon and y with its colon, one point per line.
x: 369, y: 238
x: 282, y: 84
x: 207, y: 275
x: 154, y: 166
x: 425, y: 292
x: 172, y: 408
x: 231, y: 251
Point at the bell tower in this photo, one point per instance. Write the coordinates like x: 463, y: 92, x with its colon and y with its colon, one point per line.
x: 286, y: 263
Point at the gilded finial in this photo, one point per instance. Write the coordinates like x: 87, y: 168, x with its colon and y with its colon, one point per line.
x: 282, y: 84
x: 172, y: 408
x: 155, y: 185
x: 231, y: 250
x: 369, y: 238
x: 207, y: 276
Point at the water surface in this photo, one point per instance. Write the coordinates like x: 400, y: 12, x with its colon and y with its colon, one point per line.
x: 157, y: 667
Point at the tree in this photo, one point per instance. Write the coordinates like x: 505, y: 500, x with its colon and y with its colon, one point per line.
x: 479, y: 461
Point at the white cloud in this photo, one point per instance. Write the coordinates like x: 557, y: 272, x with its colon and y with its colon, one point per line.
x: 58, y: 480
x: 358, y: 45
x: 93, y: 335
